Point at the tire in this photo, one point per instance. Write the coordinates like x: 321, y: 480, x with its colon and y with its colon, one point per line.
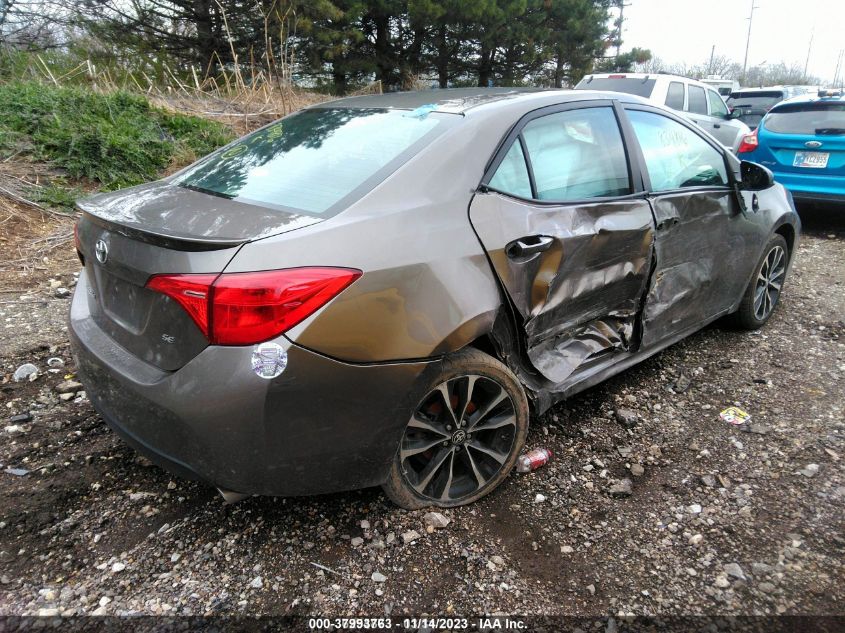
x: 441, y: 465
x: 763, y: 293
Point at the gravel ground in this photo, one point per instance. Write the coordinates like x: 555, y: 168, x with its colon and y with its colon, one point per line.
x: 652, y: 504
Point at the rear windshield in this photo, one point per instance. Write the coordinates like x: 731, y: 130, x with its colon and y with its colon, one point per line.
x: 756, y: 100
x: 809, y: 119
x: 318, y: 160
x: 631, y: 85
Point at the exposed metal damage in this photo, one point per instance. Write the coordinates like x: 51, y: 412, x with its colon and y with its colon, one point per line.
x: 559, y: 357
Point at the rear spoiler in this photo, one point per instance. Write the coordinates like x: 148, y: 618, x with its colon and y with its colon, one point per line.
x: 159, y: 239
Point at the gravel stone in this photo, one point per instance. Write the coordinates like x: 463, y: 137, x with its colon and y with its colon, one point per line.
x: 627, y: 418
x: 435, y: 520
x: 410, y: 535
x: 622, y: 488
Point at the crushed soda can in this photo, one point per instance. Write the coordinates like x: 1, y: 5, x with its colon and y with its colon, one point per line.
x: 735, y: 416
x: 532, y: 460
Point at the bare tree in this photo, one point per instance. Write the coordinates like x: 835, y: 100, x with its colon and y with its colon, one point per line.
x: 32, y: 24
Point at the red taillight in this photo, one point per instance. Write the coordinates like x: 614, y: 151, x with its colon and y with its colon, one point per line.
x: 749, y: 143
x: 248, y: 308
x: 190, y: 291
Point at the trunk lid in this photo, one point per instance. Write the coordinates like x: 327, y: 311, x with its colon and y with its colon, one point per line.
x: 128, y: 236
x: 163, y: 212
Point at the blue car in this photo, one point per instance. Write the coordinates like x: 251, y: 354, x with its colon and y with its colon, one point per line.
x: 802, y: 140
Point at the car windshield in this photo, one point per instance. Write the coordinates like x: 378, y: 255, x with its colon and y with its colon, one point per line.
x: 631, y: 85
x: 809, y: 119
x: 317, y: 160
x: 755, y: 100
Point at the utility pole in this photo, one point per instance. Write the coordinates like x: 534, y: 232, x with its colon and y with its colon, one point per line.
x: 838, y: 69
x: 748, y: 40
x: 710, y: 65
x: 809, y: 49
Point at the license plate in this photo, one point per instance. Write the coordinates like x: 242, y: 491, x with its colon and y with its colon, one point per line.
x: 817, y: 160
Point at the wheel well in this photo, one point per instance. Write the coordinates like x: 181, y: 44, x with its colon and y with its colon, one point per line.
x: 485, y: 344
x: 788, y: 234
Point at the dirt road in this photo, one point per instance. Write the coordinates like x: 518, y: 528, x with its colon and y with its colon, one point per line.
x: 720, y: 519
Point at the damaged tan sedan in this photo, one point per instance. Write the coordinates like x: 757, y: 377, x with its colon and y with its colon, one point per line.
x: 377, y: 290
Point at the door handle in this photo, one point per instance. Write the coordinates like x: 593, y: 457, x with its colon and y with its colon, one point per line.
x: 531, y: 245
x: 716, y: 125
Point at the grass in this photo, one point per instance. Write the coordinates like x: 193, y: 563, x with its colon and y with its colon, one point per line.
x: 115, y: 139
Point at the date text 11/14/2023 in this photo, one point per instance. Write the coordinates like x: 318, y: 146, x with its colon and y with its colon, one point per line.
x: 497, y: 623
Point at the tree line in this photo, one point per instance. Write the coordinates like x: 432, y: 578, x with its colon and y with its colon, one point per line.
x: 338, y: 44
x: 724, y: 67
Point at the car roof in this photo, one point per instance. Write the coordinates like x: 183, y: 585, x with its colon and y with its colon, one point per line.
x: 811, y: 98
x: 461, y: 100
x: 666, y: 76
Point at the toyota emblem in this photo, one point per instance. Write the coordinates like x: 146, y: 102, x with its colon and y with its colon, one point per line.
x: 101, y: 250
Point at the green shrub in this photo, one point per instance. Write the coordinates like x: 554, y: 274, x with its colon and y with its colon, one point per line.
x: 57, y: 194
x: 117, y: 139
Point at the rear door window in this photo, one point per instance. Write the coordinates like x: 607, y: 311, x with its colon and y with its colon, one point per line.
x: 572, y: 155
x: 577, y: 154
x: 697, y: 100
x: 317, y: 160
x: 808, y: 119
x: 675, y: 156
x: 512, y: 174
x: 675, y: 95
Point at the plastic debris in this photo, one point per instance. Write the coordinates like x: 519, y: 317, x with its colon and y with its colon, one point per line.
x: 421, y: 112
x: 55, y: 362
x: 324, y: 568
x: 25, y: 371
x: 532, y: 460
x: 735, y: 416
x: 17, y: 472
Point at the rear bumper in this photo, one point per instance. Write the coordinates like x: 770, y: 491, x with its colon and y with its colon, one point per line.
x: 321, y: 426
x: 813, y: 187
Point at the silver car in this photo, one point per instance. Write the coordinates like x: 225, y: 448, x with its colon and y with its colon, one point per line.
x: 701, y: 103
x: 379, y: 290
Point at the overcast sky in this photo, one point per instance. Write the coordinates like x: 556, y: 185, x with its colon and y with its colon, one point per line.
x: 685, y: 31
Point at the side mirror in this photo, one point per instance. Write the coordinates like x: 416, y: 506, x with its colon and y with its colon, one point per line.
x: 755, y: 177
x: 735, y: 113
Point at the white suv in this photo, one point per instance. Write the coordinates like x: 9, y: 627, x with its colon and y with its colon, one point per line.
x: 698, y: 101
